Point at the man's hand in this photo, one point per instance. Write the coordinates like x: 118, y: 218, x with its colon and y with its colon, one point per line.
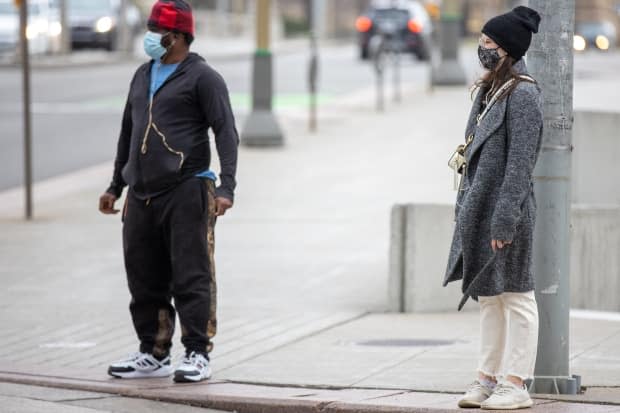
x: 498, y: 244
x: 221, y: 205
x: 106, y: 204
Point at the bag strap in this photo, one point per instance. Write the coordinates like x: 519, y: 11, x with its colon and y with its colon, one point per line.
x: 494, y: 99
x: 527, y: 78
x: 500, y: 92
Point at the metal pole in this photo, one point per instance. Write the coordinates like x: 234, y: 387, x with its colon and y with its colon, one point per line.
x: 551, y: 62
x: 65, y: 33
x: 313, y: 73
x: 124, y: 36
x: 316, y: 24
x: 318, y: 18
x: 261, y: 127
x: 396, y: 62
x: 380, y: 91
x: 263, y: 13
x: 25, y: 57
x: 449, y: 71
x: 222, y: 16
x: 377, y: 49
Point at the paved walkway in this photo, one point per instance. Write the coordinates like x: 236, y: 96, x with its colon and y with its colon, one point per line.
x: 302, y: 269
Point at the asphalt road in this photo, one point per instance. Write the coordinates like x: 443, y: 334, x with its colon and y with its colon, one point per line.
x: 77, y: 110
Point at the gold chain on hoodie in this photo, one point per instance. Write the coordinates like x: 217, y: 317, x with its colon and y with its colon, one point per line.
x: 161, y: 135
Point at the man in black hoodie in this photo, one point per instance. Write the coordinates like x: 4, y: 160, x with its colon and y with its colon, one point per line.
x: 164, y: 156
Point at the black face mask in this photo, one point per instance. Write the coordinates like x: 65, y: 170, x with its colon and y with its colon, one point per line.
x: 489, y: 58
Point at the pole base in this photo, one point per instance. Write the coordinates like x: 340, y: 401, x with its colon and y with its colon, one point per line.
x: 262, y: 129
x: 448, y: 73
x: 554, y: 385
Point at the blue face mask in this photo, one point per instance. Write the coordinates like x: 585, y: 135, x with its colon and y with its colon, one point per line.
x: 152, y: 45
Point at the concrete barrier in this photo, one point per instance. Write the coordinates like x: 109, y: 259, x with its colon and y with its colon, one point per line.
x: 596, y: 158
x: 419, y: 248
x: 595, y: 257
x: 421, y: 236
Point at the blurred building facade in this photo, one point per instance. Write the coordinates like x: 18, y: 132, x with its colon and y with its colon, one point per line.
x: 598, y: 10
x: 233, y: 17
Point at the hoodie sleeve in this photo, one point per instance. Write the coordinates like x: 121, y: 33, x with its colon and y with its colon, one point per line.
x: 218, y: 112
x: 122, y: 153
x: 524, y: 127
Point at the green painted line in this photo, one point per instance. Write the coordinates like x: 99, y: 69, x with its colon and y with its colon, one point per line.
x: 262, y: 52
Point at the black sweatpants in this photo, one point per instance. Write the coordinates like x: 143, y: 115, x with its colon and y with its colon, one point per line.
x: 168, y: 245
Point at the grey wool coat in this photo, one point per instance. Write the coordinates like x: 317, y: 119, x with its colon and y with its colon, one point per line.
x: 496, y: 198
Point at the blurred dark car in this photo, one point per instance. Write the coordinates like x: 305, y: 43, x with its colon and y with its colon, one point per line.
x: 94, y: 23
x: 599, y: 35
x: 405, y: 24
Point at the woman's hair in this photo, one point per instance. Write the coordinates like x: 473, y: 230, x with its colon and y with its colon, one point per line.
x: 492, y: 80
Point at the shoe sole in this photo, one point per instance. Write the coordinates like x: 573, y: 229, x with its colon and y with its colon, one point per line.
x: 159, y: 373
x: 469, y: 404
x: 182, y: 378
x: 517, y: 406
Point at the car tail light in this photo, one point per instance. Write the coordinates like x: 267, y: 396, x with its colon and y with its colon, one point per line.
x: 414, y: 26
x: 363, y: 24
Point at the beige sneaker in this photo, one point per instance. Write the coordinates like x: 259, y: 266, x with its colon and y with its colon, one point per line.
x: 475, y: 395
x: 508, y: 396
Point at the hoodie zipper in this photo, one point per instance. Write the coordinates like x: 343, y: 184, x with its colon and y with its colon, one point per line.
x: 152, y: 124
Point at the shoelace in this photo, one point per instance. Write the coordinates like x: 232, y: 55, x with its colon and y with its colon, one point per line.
x: 475, y: 385
x: 193, y: 359
x: 188, y: 359
x: 503, y: 389
x: 133, y: 357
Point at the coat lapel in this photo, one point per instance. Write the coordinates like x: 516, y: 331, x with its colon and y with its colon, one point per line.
x: 475, y: 110
x: 489, y: 124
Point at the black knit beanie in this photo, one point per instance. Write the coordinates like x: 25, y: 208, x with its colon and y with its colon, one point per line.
x: 512, y: 31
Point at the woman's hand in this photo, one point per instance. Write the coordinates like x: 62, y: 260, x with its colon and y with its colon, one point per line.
x: 499, y: 244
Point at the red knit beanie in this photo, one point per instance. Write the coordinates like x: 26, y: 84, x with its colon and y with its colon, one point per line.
x: 174, y: 15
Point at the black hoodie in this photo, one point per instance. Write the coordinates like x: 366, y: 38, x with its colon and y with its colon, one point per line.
x: 162, y: 145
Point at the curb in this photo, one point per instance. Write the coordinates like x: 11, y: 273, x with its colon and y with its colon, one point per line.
x: 181, y: 394
x: 246, y: 398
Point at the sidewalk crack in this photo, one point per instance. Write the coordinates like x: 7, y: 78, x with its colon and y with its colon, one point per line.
x: 111, y: 396
x: 383, y: 396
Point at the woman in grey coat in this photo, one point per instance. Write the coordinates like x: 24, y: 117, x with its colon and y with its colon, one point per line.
x: 495, y: 212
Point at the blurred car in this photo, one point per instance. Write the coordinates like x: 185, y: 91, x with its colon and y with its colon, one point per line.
x: 599, y: 35
x: 94, y: 23
x: 43, y: 30
x: 404, y: 23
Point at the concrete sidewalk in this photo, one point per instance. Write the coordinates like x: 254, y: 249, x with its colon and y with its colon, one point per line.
x: 302, y: 270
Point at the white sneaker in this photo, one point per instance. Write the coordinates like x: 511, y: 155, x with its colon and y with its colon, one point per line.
x: 475, y: 395
x: 508, y: 396
x: 139, y: 366
x: 193, y: 368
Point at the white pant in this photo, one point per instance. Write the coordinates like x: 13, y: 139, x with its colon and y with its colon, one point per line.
x: 509, y: 335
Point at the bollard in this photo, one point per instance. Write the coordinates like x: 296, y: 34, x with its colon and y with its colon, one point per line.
x: 377, y: 50
x: 396, y: 65
x: 313, y: 74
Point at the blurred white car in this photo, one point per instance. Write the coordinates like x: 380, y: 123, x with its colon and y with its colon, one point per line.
x: 94, y: 23
x: 43, y: 30
x: 596, y: 35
